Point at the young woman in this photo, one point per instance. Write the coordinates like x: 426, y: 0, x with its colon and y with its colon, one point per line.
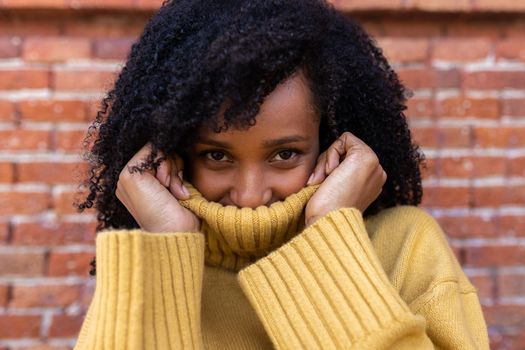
x: 256, y: 187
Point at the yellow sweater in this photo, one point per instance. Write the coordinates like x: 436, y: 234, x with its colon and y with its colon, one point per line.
x: 255, y: 279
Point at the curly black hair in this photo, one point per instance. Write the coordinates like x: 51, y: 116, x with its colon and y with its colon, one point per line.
x: 195, y: 54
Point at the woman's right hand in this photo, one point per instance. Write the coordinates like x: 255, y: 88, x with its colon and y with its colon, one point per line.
x: 151, y: 197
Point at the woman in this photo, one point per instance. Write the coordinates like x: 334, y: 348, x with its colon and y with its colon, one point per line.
x: 240, y: 176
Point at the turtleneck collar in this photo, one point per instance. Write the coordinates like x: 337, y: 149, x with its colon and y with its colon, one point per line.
x: 236, y: 237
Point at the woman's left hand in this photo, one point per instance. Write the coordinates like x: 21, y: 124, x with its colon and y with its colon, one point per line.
x: 353, y: 178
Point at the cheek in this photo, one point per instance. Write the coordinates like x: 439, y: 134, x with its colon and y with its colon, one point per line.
x: 215, y: 185
x: 211, y: 184
x: 293, y: 180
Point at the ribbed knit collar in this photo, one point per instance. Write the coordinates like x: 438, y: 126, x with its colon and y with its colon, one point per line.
x: 236, y: 237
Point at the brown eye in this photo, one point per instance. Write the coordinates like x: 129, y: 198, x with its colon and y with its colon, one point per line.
x: 215, y: 155
x: 286, y: 154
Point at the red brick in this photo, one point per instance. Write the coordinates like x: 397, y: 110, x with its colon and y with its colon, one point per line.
x: 69, y: 264
x: 82, y: 80
x: 440, y: 5
x: 44, y: 296
x: 512, y: 338
x: 470, y: 226
x: 9, y: 47
x: 426, y: 136
x: 429, y: 168
x: 51, y: 172
x: 514, y: 195
x: 113, y: 48
x: 499, y: 137
x: 513, y: 107
x: 19, y: 326
x: 454, y: 137
x: 484, y: 80
x: 71, y: 140
x: 53, y: 110
x: 104, y: 27
x: 416, y: 29
x: 455, y: 167
x: 24, y: 203
x: 7, y: 111
x: 24, y: 78
x: 24, y: 139
x: 488, y: 166
x: 6, y: 172
x: 404, y: 50
x: 459, y: 49
x: 53, y: 233
x: 57, y: 49
x: 424, y: 78
x: 500, y: 5
x: 101, y: 4
x: 447, y: 78
x: 16, y: 26
x: 445, y: 196
x: 372, y: 27
x: 87, y: 293
x: 493, y: 255
x: 475, y: 27
x: 484, y: 285
x: 93, y: 106
x: 513, y: 29
x: 459, y: 107
x: 513, y: 226
x: 155, y: 4
x: 415, y: 78
x: 63, y: 203
x: 4, y: 290
x: 54, y: 4
x: 65, y: 325
x: 511, y: 284
x: 346, y: 5
x: 516, y: 166
x: 511, y: 49
x: 4, y: 232
x: 507, y: 315
x: 22, y: 264
x: 419, y: 107
x: 488, y: 196
x: 45, y: 346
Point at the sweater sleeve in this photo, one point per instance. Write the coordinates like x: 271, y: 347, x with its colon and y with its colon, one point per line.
x: 326, y: 289
x: 140, y: 276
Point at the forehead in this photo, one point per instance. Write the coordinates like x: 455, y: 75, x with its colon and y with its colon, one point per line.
x: 286, y: 110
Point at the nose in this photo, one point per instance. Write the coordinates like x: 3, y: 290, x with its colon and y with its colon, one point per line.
x: 249, y: 189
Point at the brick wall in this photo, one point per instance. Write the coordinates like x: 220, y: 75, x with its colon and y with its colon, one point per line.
x: 463, y: 59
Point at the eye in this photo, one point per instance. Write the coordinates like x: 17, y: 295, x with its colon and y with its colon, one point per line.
x: 286, y: 154
x: 215, y: 155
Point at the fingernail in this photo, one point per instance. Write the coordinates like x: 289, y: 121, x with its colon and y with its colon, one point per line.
x: 168, y: 178
x: 180, y: 175
x: 310, y: 179
x: 185, y: 191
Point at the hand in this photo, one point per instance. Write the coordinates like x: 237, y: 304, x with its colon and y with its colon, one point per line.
x: 353, y: 178
x: 151, y: 197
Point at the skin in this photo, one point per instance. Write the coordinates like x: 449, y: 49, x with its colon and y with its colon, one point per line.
x: 276, y: 157
x: 267, y: 162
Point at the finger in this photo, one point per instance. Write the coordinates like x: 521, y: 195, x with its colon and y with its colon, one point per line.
x: 140, y: 157
x: 164, y: 172
x: 334, y: 154
x: 176, y: 187
x: 318, y: 175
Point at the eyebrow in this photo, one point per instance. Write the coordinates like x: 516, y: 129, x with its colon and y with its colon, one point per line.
x: 266, y: 143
